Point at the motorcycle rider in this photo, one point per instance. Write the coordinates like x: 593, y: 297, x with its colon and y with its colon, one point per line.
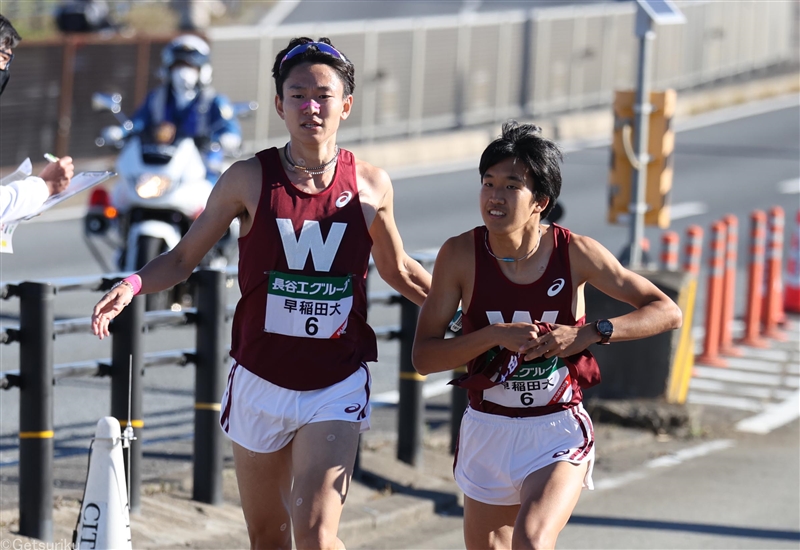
x: 186, y: 106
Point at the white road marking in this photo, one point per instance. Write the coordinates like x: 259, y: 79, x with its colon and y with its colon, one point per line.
x: 667, y: 461
x: 736, y: 112
x: 744, y: 390
x: 740, y: 403
x: 773, y: 417
x: 742, y: 377
x: 431, y: 389
x: 687, y: 210
x: 789, y: 187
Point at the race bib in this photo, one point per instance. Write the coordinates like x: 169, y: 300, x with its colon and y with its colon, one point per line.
x: 308, y: 307
x: 534, y: 385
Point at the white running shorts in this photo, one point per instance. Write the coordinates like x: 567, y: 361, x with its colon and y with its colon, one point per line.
x: 496, y: 453
x: 263, y: 417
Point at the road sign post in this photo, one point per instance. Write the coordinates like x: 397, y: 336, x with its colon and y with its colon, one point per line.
x: 661, y: 12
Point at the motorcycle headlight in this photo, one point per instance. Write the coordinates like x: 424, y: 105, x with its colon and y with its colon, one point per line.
x: 151, y: 186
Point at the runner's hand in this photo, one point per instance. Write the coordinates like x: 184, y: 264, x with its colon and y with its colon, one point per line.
x: 562, y: 341
x: 109, y: 307
x: 516, y: 336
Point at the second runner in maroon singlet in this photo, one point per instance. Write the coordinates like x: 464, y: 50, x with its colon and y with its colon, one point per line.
x: 537, y: 387
x: 301, y: 322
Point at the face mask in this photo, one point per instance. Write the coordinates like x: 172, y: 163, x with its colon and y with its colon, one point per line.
x: 184, y: 79
x: 4, y: 76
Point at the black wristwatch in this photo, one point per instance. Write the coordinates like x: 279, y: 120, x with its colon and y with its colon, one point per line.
x: 605, y: 329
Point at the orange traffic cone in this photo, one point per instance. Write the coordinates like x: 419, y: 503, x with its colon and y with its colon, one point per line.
x: 791, y: 291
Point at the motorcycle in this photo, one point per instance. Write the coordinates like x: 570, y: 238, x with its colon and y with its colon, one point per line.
x: 162, y: 189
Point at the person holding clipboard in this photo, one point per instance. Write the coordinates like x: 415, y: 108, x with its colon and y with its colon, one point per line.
x: 24, y: 197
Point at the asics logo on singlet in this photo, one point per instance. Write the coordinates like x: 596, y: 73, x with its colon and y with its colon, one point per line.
x: 344, y: 198
x: 556, y: 287
x: 322, y: 251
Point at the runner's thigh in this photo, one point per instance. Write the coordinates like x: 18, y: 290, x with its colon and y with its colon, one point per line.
x: 487, y: 526
x: 323, y: 454
x: 549, y: 496
x: 265, y: 488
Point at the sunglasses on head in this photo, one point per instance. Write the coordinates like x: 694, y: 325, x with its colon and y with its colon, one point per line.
x: 320, y: 46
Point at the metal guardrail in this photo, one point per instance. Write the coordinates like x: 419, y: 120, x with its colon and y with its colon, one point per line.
x: 37, y: 376
x: 416, y: 75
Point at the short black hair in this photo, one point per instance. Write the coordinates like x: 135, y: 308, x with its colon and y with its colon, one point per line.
x: 541, y: 156
x: 9, y: 37
x: 345, y: 69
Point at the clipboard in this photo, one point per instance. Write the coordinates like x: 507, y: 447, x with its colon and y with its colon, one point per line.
x: 80, y: 182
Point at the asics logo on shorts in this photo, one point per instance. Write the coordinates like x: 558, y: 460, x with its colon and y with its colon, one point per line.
x: 344, y: 198
x: 561, y: 453
x: 355, y: 407
x: 556, y: 287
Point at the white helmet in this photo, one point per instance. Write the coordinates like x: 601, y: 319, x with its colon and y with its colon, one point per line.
x: 191, y: 50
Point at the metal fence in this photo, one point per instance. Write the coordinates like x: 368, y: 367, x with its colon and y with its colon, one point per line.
x: 437, y: 73
x: 413, y: 75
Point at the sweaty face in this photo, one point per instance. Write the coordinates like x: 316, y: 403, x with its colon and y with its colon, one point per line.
x: 506, y: 199
x: 312, y: 105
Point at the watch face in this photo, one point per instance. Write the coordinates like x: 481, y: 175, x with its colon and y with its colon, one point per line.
x: 605, y: 327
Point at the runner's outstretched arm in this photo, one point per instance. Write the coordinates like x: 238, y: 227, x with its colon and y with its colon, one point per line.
x: 394, y: 265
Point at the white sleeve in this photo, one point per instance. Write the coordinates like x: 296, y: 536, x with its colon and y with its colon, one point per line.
x: 22, y: 198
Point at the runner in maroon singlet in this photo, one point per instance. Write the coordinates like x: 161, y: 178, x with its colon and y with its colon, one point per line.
x: 298, y: 389
x: 526, y: 445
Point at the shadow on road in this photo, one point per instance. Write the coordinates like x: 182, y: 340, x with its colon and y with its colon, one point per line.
x: 703, y: 528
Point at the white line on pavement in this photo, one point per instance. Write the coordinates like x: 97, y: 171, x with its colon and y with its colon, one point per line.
x: 726, y: 401
x: 667, y: 461
x: 789, y: 187
x: 773, y: 417
x: 687, y: 209
x: 431, y: 389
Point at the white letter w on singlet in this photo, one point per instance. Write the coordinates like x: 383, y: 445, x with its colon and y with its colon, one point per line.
x: 496, y: 317
x: 322, y: 252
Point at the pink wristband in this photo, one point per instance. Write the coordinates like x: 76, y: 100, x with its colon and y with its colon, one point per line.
x: 135, y: 281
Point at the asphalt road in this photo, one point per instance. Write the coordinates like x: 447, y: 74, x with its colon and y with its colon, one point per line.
x: 734, y: 491
x: 730, y: 167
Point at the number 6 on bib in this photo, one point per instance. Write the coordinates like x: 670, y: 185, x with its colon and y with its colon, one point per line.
x: 308, y: 307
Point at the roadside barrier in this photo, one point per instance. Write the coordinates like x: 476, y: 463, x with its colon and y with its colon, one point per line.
x: 755, y: 281
x: 791, y: 293
x: 773, y: 302
x: 714, y: 297
x: 694, y: 250
x: 727, y: 312
x: 670, y: 243
x: 38, y: 375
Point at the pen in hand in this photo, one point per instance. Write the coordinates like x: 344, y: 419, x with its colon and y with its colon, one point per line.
x: 58, y: 173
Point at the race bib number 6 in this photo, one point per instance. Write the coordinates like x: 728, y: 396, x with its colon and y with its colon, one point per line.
x: 308, y: 307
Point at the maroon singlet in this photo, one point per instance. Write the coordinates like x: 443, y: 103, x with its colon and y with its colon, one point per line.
x: 548, y: 299
x: 318, y: 223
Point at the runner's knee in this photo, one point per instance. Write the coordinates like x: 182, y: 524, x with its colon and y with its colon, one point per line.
x: 535, y: 538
